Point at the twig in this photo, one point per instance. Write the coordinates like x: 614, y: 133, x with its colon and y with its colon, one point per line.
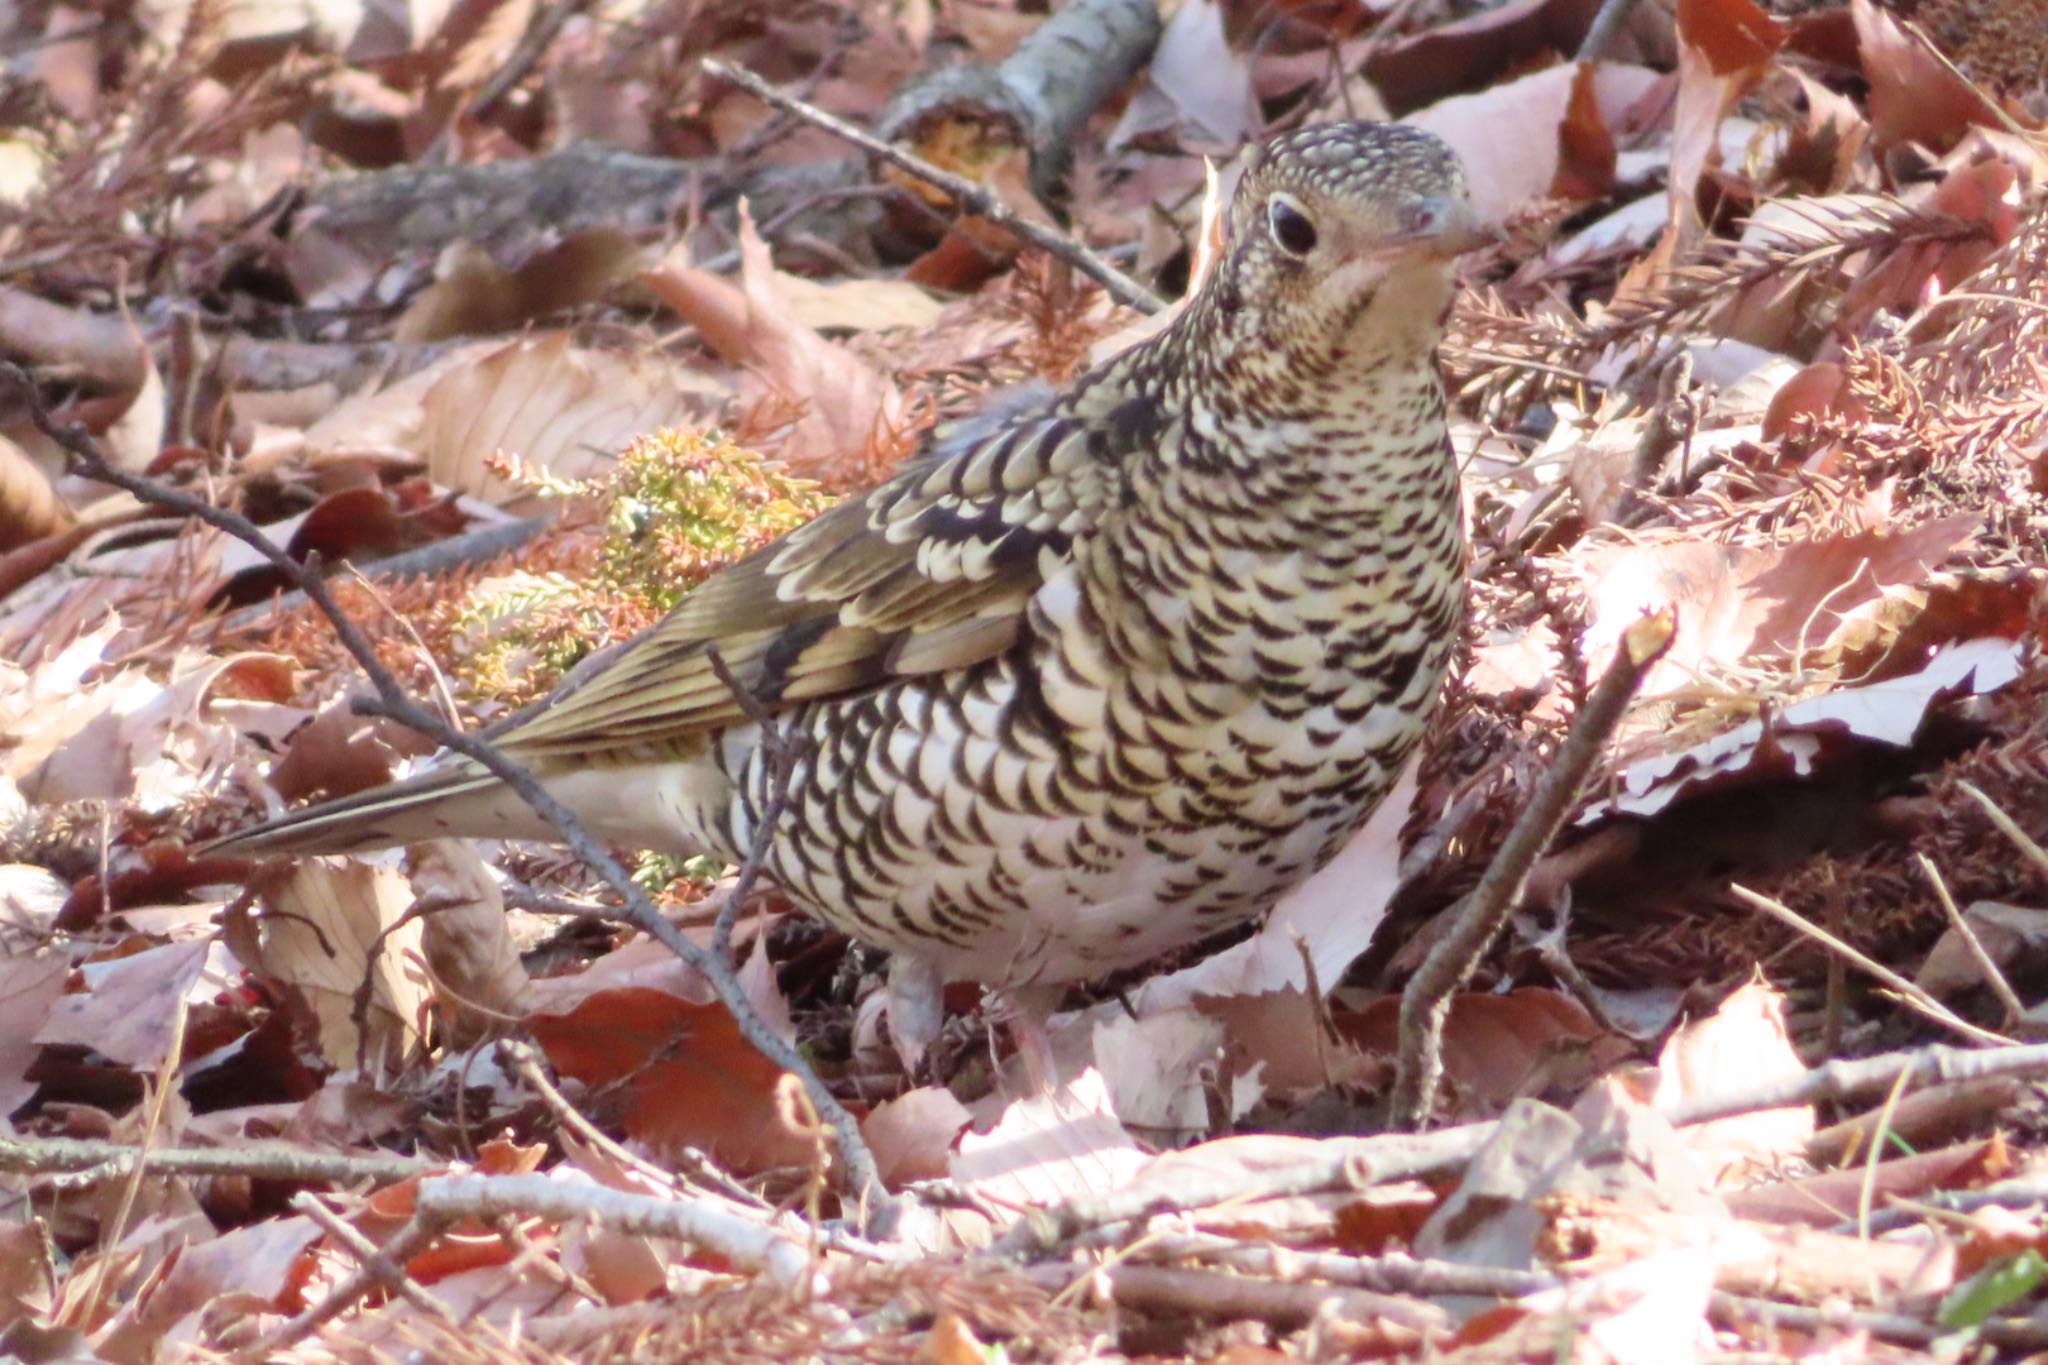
x: 1993, y: 977
x: 371, y: 1257
x: 266, y: 1160
x: 1606, y: 23
x: 1215, y: 1294
x: 1734, y: 1310
x: 1344, y: 1164
x: 473, y: 547
x: 1393, y: 1273
x: 532, y: 46
x: 393, y: 703
x: 1427, y: 1000
x: 745, y: 1244
x: 1849, y: 1080
x: 385, y: 1266
x: 1913, y: 996
x: 972, y: 196
x: 781, y: 749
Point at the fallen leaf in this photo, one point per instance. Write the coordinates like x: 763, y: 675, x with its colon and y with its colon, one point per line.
x: 1742, y: 1044
x: 323, y: 919
x: 684, y: 1076
x: 844, y: 399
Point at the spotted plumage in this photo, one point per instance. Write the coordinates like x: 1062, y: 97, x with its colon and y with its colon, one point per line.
x: 1106, y: 669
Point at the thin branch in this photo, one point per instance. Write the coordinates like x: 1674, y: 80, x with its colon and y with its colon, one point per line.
x: 1427, y: 1000
x: 972, y: 196
x: 742, y: 1242
x: 1913, y: 996
x: 1850, y: 1080
x: 102, y: 1161
x: 2007, y: 997
x: 385, y: 1267
x: 1340, y: 1165
x: 782, y: 750
x: 393, y: 702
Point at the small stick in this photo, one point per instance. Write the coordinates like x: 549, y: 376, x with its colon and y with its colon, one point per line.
x: 385, y: 1265
x: 1427, y: 1000
x: 1915, y: 997
x: 972, y: 196
x: 1848, y: 1080
x: 267, y: 1160
x: 2007, y: 997
x: 743, y: 1243
x: 782, y: 752
x: 2007, y: 826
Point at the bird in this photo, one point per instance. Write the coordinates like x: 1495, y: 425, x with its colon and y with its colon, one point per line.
x: 1098, y: 673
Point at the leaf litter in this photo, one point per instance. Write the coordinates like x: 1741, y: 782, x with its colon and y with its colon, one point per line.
x: 1763, y: 345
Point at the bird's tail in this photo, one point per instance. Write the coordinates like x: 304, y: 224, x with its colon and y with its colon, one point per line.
x: 441, y: 803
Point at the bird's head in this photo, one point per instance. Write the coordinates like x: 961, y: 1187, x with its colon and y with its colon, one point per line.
x: 1341, y: 242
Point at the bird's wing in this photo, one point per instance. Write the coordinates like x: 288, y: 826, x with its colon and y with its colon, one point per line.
x: 929, y: 571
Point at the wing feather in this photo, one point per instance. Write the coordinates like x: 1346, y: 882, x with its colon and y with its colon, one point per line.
x: 931, y: 570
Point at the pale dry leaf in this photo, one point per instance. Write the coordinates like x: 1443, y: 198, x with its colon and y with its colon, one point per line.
x: 137, y: 436
x: 860, y: 305
x: 1199, y: 89
x: 1743, y: 1044
x: 558, y: 407
x: 912, y: 1135
x: 1049, y: 1148
x: 322, y: 917
x: 1160, y: 1069
x: 31, y: 985
x: 1888, y: 712
x: 479, y: 979
x: 30, y: 897
x: 1508, y: 135
x: 128, y: 1010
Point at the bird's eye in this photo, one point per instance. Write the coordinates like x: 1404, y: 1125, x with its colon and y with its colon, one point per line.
x: 1291, y: 227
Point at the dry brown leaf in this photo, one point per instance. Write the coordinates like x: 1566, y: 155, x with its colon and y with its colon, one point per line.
x: 1498, y: 1048
x: 845, y: 400
x: 1738, y: 604
x: 679, y: 1074
x: 912, y: 1135
x: 30, y: 507
x: 473, y: 295
x: 322, y: 919
x: 1915, y: 95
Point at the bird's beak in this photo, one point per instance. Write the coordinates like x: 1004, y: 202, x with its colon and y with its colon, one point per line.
x: 1444, y: 227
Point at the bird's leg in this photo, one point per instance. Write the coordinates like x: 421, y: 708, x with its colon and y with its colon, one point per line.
x: 917, y: 1008
x: 1026, y: 1009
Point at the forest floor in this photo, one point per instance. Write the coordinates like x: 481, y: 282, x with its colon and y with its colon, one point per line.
x: 493, y: 326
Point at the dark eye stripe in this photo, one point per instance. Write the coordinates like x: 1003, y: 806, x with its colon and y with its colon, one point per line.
x: 1291, y: 227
